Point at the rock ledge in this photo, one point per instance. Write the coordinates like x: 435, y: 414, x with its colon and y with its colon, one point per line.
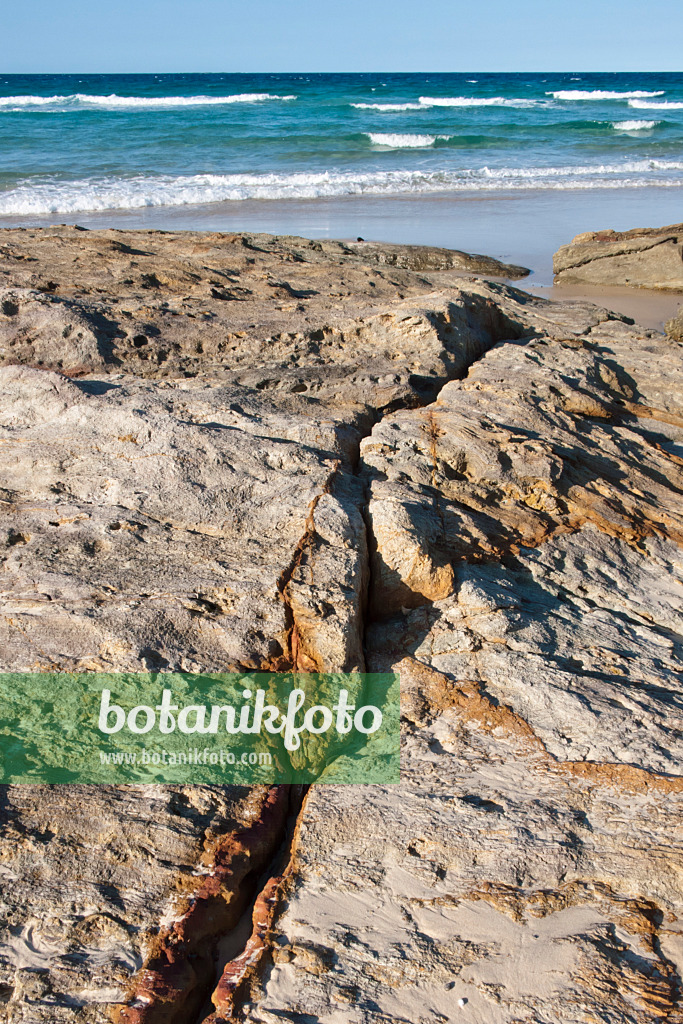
x: 641, y: 258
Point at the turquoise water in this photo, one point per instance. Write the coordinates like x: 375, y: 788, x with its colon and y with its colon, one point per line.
x: 96, y: 143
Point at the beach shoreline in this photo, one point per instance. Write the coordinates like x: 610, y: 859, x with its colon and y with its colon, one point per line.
x: 522, y: 228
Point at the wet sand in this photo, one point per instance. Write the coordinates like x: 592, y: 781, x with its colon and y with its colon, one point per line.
x: 649, y: 308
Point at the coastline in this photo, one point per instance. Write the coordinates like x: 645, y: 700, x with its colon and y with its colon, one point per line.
x: 523, y: 228
x: 342, y: 605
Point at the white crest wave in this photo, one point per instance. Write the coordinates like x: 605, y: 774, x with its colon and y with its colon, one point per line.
x: 395, y: 141
x: 664, y: 105
x: 634, y: 126
x: 475, y: 101
x: 601, y: 94
x: 115, y: 102
x: 387, y: 106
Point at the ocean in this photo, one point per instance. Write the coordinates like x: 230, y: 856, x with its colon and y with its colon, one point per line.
x: 77, y: 143
x: 389, y: 156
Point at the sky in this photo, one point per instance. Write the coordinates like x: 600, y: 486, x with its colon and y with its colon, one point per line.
x: 42, y: 36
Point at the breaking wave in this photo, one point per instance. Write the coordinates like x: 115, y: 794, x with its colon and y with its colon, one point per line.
x: 425, y: 102
x: 634, y: 126
x: 386, y: 107
x: 35, y: 197
x: 403, y: 141
x: 600, y: 94
x: 475, y: 101
x: 84, y: 101
x: 664, y: 105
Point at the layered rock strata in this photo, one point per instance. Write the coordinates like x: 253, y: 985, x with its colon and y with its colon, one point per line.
x: 641, y: 258
x: 444, y: 477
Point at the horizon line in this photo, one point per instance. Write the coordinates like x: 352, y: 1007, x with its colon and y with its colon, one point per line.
x: 480, y: 71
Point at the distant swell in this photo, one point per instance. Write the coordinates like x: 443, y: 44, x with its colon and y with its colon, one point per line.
x: 600, y: 94
x: 425, y: 102
x: 114, y: 102
x: 35, y: 198
x: 386, y: 107
x: 664, y: 105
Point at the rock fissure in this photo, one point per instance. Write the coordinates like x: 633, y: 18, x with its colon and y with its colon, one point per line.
x: 243, y: 971
x: 179, y: 970
x: 396, y: 470
x: 157, y: 996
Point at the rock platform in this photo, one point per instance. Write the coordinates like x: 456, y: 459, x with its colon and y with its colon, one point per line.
x: 241, y: 451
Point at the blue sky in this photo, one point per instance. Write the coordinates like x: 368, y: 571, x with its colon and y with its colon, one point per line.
x: 340, y: 35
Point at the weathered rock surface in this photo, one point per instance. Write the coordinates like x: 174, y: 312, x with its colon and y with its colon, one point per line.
x: 152, y: 526
x: 423, y: 257
x: 526, y: 583
x: 319, y: 318
x: 641, y: 258
x: 674, y: 327
x: 478, y: 489
x: 155, y: 526
x: 154, y: 521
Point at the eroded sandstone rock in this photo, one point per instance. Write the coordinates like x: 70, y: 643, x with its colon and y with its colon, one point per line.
x: 241, y: 451
x: 155, y: 527
x: 526, y: 584
x: 321, y: 318
x: 641, y: 258
x: 158, y: 525
x: 173, y: 501
x: 674, y: 327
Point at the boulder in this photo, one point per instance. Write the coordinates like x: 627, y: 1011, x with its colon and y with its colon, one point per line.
x: 641, y: 258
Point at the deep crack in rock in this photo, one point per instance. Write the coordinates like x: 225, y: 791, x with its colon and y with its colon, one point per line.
x: 514, y: 452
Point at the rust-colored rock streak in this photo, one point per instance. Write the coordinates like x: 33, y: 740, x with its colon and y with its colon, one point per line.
x: 179, y: 969
x: 238, y: 972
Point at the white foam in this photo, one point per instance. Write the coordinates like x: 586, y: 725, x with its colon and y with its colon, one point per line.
x: 474, y: 101
x: 34, y: 198
x: 403, y: 141
x: 628, y: 167
x: 30, y: 101
x: 600, y: 94
x: 664, y: 105
x: 634, y: 126
x: 387, y: 106
x: 115, y: 102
